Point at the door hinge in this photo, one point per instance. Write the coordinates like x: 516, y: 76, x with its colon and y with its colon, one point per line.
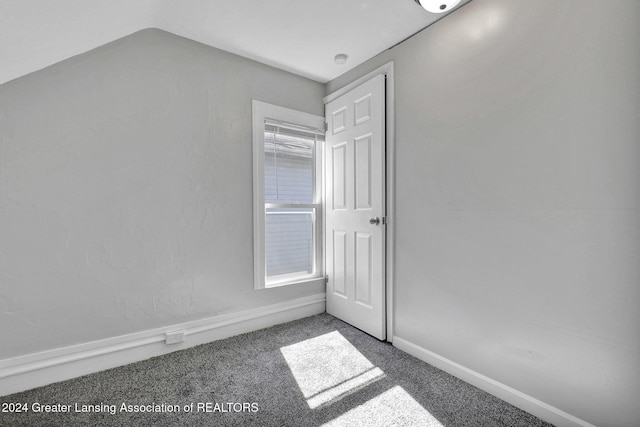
x: 326, y: 126
x: 326, y: 279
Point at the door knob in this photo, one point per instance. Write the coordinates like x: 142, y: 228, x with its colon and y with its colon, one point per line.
x: 374, y: 221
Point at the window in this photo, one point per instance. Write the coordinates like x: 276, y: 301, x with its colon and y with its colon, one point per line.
x: 287, y: 187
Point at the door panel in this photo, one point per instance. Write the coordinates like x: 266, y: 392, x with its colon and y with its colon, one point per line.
x: 355, y: 194
x: 363, y: 172
x: 339, y: 263
x: 338, y: 175
x: 363, y: 268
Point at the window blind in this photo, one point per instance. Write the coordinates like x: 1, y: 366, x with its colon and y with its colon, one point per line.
x: 289, y: 180
x: 289, y: 164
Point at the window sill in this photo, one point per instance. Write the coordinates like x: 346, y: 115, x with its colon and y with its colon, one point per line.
x: 293, y: 281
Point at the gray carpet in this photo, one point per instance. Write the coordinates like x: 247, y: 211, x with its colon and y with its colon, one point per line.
x: 311, y: 372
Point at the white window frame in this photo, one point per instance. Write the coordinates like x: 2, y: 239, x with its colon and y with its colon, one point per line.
x: 262, y: 112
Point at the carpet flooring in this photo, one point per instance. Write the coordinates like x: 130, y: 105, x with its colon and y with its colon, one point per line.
x: 317, y: 371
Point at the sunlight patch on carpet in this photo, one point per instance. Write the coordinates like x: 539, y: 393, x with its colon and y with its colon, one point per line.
x: 329, y: 367
x: 393, y: 407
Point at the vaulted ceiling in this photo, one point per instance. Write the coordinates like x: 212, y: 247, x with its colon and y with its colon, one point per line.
x: 301, y: 36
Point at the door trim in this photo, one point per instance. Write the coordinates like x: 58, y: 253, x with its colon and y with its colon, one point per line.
x: 387, y: 70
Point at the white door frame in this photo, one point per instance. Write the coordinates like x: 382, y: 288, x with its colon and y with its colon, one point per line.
x: 387, y: 70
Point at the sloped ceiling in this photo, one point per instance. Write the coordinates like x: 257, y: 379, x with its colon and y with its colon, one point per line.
x: 301, y: 36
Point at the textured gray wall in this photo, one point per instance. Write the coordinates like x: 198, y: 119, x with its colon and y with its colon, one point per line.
x: 518, y: 198
x: 126, y: 190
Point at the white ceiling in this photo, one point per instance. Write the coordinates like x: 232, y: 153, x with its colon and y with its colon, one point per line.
x: 301, y: 36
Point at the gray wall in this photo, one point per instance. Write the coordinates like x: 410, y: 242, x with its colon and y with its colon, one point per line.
x: 126, y: 190
x: 518, y: 198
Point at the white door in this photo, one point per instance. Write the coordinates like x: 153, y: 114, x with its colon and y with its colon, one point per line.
x: 355, y: 207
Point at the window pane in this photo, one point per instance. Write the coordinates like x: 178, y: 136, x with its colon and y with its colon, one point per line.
x: 288, y: 168
x: 289, y: 241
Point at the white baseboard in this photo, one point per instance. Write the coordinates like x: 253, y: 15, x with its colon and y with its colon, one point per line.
x: 510, y: 395
x: 38, y: 369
